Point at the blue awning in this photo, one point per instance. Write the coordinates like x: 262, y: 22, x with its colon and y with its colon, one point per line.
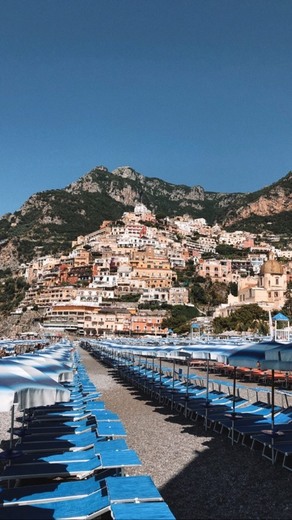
x: 280, y: 317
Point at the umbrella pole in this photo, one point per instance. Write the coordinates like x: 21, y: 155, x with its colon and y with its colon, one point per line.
x: 173, y: 374
x: 11, y: 440
x: 145, y: 377
x: 233, y: 406
x: 152, y: 388
x: 207, y: 394
x: 273, y: 415
x: 11, y: 429
x: 160, y: 378
x: 187, y: 387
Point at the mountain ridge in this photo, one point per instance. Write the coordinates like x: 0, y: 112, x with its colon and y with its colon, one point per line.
x: 51, y: 219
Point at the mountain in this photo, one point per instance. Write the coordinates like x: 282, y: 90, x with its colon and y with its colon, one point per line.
x: 51, y: 219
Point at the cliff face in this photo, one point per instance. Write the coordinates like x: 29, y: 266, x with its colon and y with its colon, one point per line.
x: 272, y: 203
x: 126, y: 185
x: 50, y: 220
x: 277, y: 202
x: 11, y: 326
x: 9, y: 256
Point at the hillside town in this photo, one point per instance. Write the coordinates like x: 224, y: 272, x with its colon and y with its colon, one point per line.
x: 99, y: 286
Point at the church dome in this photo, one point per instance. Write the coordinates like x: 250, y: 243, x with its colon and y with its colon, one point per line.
x: 272, y: 267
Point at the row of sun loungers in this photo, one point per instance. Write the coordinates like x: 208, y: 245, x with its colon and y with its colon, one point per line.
x: 70, y: 462
x: 251, y: 421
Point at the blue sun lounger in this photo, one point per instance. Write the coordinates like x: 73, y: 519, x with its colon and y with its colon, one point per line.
x: 55, y: 427
x: 246, y: 427
x: 52, y: 492
x: 65, y: 415
x: 110, y: 429
x: 90, y: 413
x: 47, y: 442
x: 77, y: 403
x: 139, y: 488
x: 184, y: 400
x: 116, y: 461
x: 197, y: 408
x: 107, y: 428
x: 253, y: 411
x: 108, y: 496
x: 118, y: 489
x: 56, y: 436
x: 141, y: 510
x: 45, y: 427
x: 278, y: 441
x: 72, y: 443
x: 88, y: 507
x: 74, y: 405
x: 68, y: 456
x: 104, y: 415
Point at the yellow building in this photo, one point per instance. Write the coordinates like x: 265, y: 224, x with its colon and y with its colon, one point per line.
x: 267, y: 290
x: 152, y: 267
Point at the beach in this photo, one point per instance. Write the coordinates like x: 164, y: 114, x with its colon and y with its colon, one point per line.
x: 199, y: 473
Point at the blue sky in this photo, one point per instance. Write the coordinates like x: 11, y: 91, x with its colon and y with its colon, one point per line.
x: 194, y: 92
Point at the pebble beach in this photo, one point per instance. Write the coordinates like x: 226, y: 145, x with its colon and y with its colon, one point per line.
x: 199, y: 473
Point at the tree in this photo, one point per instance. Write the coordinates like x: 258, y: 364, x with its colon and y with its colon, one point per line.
x: 228, y: 251
x: 246, y: 318
x: 197, y: 294
x: 233, y: 288
x: 180, y: 318
x: 12, y: 292
x: 287, y: 309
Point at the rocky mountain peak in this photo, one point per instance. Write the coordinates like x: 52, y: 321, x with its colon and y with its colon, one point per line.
x: 126, y: 172
x: 52, y: 219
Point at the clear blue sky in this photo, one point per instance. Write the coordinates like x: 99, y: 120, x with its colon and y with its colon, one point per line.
x: 195, y: 92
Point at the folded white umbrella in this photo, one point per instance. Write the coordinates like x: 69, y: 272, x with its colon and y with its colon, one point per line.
x: 27, y: 387
x: 51, y: 367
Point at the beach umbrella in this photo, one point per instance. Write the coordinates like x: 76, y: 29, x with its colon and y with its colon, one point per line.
x: 215, y: 352
x: 255, y: 356
x: 24, y: 387
x: 252, y: 355
x: 280, y: 357
x: 161, y: 352
x: 200, y: 353
x: 63, y: 355
x: 27, y: 387
x: 53, y: 368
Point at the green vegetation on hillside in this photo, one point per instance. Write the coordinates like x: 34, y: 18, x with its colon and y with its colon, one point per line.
x: 180, y: 318
x: 280, y: 223
x: 246, y: 318
x: 54, y: 218
x: 12, y: 292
